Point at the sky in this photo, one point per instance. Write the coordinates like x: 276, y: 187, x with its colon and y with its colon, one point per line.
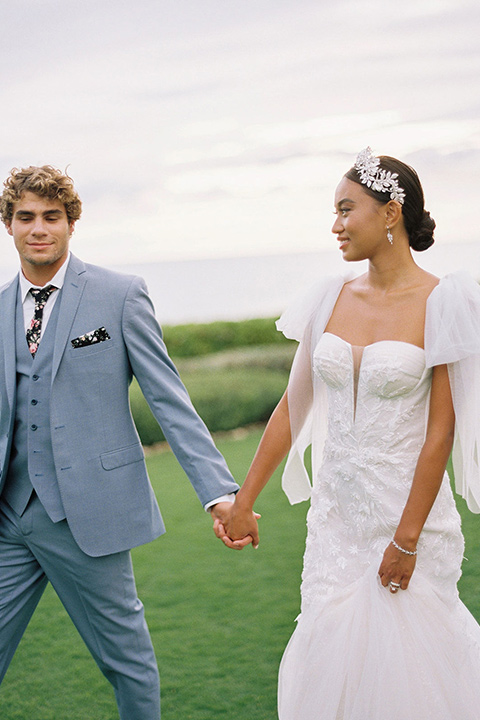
x: 220, y: 128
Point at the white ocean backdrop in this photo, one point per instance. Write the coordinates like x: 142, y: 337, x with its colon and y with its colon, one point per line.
x: 246, y: 287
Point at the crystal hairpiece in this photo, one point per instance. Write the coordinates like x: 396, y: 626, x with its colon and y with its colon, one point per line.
x: 372, y: 175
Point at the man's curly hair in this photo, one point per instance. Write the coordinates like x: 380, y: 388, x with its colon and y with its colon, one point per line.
x: 45, y: 181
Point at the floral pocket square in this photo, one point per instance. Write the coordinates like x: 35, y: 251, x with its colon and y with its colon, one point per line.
x: 90, y: 338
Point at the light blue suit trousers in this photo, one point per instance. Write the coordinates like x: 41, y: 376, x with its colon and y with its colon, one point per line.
x: 99, y: 594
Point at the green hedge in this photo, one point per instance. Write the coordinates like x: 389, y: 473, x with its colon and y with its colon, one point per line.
x: 269, y: 357
x: 235, y: 372
x: 204, y: 338
x: 225, y: 398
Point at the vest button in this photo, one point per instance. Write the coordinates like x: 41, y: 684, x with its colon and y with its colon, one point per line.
x: 35, y: 377
x: 33, y: 402
x: 34, y: 427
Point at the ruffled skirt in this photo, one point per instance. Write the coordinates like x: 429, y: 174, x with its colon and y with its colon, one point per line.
x: 366, y: 654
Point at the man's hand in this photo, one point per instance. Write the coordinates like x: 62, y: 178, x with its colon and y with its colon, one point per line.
x: 236, y: 529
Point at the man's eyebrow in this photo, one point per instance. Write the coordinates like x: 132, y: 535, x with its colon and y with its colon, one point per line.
x: 30, y: 213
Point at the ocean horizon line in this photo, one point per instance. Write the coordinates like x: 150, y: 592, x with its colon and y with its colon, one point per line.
x: 237, y: 288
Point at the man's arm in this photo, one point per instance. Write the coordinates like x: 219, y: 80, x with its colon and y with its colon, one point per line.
x: 169, y: 401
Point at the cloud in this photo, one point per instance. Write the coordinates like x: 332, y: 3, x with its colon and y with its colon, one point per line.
x: 219, y: 127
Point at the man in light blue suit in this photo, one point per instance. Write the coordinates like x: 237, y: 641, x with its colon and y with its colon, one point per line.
x: 74, y: 492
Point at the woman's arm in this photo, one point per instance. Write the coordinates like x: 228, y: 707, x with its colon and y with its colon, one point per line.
x: 397, y: 566
x: 240, y: 520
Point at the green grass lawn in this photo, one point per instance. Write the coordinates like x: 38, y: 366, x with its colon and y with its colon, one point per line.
x: 219, y: 619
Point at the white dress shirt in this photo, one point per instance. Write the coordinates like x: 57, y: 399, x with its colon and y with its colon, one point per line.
x: 28, y: 301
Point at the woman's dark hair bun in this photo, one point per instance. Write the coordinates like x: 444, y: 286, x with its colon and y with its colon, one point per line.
x: 422, y: 238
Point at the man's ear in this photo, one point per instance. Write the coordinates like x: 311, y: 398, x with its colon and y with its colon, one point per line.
x: 9, y: 228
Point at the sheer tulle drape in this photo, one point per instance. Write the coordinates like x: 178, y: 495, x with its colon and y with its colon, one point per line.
x: 305, y: 321
x: 452, y: 337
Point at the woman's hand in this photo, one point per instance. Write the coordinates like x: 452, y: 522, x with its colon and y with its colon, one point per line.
x: 396, y: 569
x: 236, y: 527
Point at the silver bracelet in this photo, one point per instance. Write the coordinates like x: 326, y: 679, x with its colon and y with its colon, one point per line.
x: 406, y: 552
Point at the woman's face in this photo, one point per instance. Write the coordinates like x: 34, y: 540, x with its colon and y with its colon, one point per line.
x: 360, y: 224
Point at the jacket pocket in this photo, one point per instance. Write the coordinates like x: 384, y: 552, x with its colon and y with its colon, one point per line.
x: 123, y: 456
x: 76, y: 353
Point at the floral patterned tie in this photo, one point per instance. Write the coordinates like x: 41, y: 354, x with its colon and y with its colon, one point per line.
x: 35, y: 329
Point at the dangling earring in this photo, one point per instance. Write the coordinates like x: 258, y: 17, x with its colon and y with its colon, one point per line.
x: 389, y: 236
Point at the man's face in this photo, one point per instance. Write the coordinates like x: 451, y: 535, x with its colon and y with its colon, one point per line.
x: 41, y: 231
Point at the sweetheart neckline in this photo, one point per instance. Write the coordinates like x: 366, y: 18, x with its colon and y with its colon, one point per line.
x: 357, y: 360
x: 378, y: 342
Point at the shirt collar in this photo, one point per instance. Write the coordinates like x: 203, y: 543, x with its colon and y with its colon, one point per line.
x: 57, y: 280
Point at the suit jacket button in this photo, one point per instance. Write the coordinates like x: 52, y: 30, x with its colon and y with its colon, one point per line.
x: 35, y: 377
x: 34, y: 427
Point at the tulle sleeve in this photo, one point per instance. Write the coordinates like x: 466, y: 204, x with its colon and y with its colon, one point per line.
x: 452, y: 337
x: 305, y: 321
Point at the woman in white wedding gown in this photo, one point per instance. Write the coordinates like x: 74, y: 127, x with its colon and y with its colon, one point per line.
x: 386, y: 375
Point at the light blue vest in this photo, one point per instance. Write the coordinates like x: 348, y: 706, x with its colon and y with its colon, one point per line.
x: 31, y: 464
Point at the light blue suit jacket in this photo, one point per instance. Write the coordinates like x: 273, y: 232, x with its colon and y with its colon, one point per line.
x: 100, y: 468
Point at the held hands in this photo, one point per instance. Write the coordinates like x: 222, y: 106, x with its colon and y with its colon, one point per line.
x: 236, y: 527
x: 396, y: 568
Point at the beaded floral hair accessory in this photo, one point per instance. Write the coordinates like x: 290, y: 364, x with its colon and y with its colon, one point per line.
x: 372, y: 175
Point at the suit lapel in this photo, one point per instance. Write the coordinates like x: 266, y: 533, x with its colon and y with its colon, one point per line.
x: 72, y: 291
x: 8, y: 301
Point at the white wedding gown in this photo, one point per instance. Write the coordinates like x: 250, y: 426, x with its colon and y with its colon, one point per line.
x: 360, y: 652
